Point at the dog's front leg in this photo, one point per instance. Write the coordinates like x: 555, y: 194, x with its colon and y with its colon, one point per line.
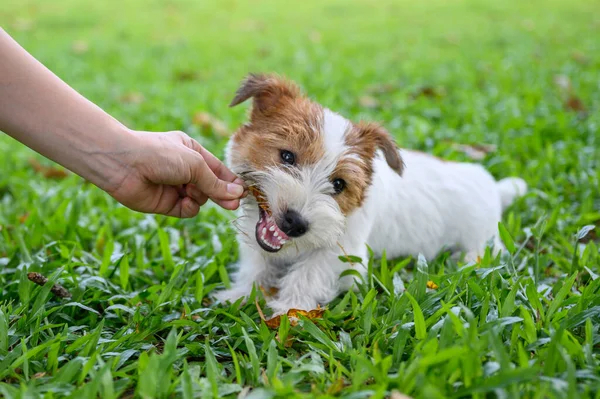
x: 312, y: 282
x: 252, y: 269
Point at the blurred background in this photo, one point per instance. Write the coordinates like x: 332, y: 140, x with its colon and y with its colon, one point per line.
x: 513, y: 84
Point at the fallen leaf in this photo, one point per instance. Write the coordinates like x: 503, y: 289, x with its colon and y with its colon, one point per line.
x: 39, y: 375
x: 264, y: 52
x: 311, y: 314
x: 432, y: 285
x: 289, y: 341
x: 273, y: 323
x: 209, y: 123
x: 133, y: 97
x: 269, y: 292
x: 56, y: 289
x: 368, y: 102
x: 49, y: 172
x: 337, y: 386
x: 23, y: 218
x: 428, y: 91
x: 574, y: 103
x: 186, y: 76
x: 292, y: 314
x: 475, y: 151
x: 80, y: 47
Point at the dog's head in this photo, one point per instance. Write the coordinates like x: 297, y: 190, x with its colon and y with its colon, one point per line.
x: 312, y: 167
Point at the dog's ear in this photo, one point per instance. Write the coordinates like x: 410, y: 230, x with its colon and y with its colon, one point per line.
x: 377, y: 135
x: 268, y: 91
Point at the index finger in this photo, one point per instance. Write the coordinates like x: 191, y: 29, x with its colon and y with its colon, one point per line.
x: 218, y: 167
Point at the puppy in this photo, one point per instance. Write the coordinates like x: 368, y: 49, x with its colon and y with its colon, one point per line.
x: 325, y: 186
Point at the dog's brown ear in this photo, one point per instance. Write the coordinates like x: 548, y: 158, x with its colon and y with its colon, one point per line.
x: 385, y: 142
x: 266, y: 90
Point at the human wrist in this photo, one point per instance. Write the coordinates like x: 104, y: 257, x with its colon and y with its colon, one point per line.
x: 106, y: 160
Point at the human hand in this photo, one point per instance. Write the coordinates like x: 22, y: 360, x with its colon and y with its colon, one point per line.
x: 172, y: 174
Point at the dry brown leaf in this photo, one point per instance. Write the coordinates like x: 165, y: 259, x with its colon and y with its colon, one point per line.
x: 476, y: 152
x: 56, y: 289
x: 133, y: 97
x: 337, y: 386
x: 432, y: 285
x: 23, y: 218
x: 292, y: 314
x: 368, y: 102
x: 80, y: 47
x: 273, y: 323
x: 289, y: 341
x: 186, y: 76
x: 429, y: 91
x: 269, y: 291
x: 574, y: 103
x: 264, y: 52
x: 39, y: 375
x: 49, y: 172
x: 207, y: 122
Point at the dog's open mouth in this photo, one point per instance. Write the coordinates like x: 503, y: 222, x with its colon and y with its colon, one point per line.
x: 268, y: 235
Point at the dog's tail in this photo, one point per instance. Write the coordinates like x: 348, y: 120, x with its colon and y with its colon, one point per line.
x: 510, y: 189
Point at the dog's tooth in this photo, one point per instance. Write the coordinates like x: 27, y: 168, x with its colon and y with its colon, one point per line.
x: 264, y: 231
x: 282, y: 241
x: 276, y: 234
x: 272, y: 228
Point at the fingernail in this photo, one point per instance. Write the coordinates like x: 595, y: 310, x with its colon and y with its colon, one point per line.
x: 235, y: 189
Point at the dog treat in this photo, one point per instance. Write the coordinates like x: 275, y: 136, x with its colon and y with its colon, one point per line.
x: 260, y: 198
x: 56, y: 289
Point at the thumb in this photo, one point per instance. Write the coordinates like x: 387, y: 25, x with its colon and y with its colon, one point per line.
x: 209, y: 184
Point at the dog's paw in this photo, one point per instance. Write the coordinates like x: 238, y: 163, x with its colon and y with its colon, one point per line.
x: 231, y: 295
x: 280, y: 307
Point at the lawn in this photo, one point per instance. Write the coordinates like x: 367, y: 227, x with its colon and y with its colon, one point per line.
x: 511, y: 84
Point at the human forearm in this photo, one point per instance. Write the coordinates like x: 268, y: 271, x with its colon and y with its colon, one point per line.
x: 67, y: 128
x: 167, y: 173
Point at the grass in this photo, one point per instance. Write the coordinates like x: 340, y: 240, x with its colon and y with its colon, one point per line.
x: 522, y: 76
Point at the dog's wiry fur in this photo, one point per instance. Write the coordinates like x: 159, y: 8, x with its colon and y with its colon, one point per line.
x: 404, y: 202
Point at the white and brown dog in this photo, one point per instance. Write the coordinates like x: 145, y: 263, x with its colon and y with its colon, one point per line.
x: 330, y: 186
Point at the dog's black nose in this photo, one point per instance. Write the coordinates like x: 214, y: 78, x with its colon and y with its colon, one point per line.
x: 293, y: 224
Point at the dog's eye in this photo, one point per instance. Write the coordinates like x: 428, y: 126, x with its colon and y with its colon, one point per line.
x: 287, y: 157
x: 339, y: 185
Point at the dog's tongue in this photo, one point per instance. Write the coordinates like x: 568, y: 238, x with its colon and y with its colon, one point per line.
x: 268, y: 233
